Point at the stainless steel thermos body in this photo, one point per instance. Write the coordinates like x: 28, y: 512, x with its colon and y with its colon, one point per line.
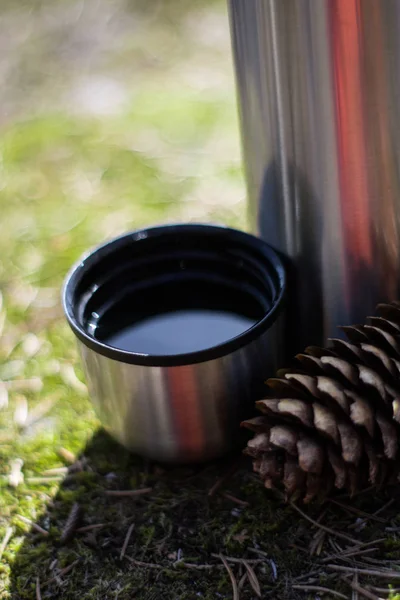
x: 319, y: 96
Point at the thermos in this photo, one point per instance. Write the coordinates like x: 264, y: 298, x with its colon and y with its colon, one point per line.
x: 319, y: 96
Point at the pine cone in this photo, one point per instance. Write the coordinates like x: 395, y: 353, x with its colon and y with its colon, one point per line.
x: 334, y: 422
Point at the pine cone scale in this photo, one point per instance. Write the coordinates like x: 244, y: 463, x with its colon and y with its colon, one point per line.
x: 335, y: 420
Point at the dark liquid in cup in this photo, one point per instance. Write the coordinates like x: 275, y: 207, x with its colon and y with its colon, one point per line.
x: 179, y: 332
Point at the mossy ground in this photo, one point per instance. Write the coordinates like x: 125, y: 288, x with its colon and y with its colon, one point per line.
x: 116, y: 115
x: 176, y: 525
x: 177, y: 521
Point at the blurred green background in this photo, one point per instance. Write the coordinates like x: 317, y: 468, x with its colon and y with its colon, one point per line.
x: 113, y: 115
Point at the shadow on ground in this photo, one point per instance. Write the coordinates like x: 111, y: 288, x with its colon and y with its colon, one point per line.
x: 179, y: 528
x: 176, y: 529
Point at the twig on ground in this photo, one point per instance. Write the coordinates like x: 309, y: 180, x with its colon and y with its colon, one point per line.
x: 128, y: 493
x: 38, y: 592
x: 348, y: 554
x: 223, y: 479
x: 384, y: 507
x: 381, y: 561
x: 90, y: 528
x: 357, y: 511
x: 126, y: 541
x: 193, y: 566
x: 34, y: 384
x: 308, y: 575
x: 21, y: 410
x: 364, y: 592
x: 371, y: 543
x: 257, y: 551
x: 360, y: 524
x: 317, y: 542
x: 5, y: 540
x: 160, y: 545
x: 364, y: 565
x: 268, y: 560
x: 236, y: 500
x: 71, y: 523
x: 197, y: 567
x: 34, y: 526
x: 255, y: 584
x: 3, y: 394
x: 239, y: 561
x: 40, y: 410
x: 67, y: 455
x: 40, y: 480
x: 355, y: 595
x: 235, y: 590
x: 16, y: 476
x: 372, y: 572
x: 53, y: 564
x: 68, y: 375
x: 335, y: 546
x: 324, y: 527
x: 140, y: 563
x: 318, y: 588
x: 78, y: 466
x: 322, y: 515
x: 299, y: 548
x: 242, y: 581
x: 67, y: 569
x: 63, y: 572
x: 320, y: 545
x: 384, y: 590
x: 356, y: 494
x: 56, y: 471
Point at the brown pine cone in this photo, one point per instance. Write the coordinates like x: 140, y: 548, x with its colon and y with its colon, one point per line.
x: 334, y: 422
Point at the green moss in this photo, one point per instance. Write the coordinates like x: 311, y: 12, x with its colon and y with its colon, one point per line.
x: 177, y: 519
x: 392, y: 548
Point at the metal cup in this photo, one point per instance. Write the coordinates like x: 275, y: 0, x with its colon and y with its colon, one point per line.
x: 178, y: 407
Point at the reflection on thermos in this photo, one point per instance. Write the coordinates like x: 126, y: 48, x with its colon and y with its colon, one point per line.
x: 319, y: 92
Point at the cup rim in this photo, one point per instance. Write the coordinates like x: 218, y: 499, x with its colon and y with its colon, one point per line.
x: 91, y: 257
